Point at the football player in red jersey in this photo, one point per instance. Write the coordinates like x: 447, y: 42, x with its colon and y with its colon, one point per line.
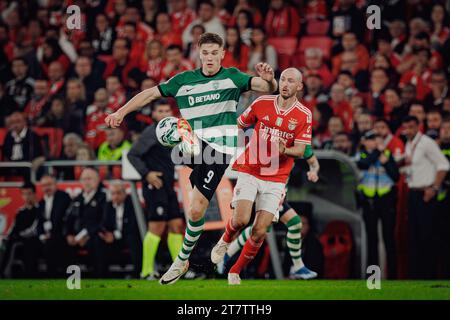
x: 282, y: 132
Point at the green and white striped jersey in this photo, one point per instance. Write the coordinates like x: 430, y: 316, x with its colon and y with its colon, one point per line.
x: 209, y: 103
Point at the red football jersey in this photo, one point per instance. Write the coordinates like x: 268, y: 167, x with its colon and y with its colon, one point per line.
x: 261, y: 157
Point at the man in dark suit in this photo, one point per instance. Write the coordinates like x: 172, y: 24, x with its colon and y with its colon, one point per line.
x: 21, y: 144
x: 83, y: 221
x: 24, y: 231
x: 53, y: 207
x: 120, y: 229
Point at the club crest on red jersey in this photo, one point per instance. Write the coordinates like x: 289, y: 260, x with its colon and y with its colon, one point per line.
x: 292, y: 123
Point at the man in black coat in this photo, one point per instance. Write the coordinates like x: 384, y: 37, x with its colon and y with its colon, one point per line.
x: 21, y: 144
x: 24, y: 231
x: 120, y: 230
x: 53, y: 207
x: 83, y: 221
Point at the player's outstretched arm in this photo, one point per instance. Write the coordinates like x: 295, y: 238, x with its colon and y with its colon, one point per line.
x: 266, y: 81
x: 138, y: 101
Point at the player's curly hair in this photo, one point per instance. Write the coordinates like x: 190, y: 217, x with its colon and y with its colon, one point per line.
x: 210, y: 38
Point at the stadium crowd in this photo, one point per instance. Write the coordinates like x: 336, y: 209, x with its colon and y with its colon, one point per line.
x: 379, y: 96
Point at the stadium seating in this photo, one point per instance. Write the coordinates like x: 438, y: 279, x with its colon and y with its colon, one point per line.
x: 317, y: 28
x: 285, y: 48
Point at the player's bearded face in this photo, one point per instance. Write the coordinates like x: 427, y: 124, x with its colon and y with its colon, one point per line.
x: 211, y: 56
x: 289, y: 85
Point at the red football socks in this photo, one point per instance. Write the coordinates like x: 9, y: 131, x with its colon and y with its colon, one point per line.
x: 230, y: 232
x: 247, y: 254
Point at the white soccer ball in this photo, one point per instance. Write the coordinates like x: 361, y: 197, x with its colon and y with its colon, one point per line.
x: 167, y: 132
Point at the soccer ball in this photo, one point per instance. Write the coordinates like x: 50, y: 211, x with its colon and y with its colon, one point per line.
x: 167, y: 132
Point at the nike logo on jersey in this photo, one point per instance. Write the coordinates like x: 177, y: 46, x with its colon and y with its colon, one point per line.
x: 204, y: 186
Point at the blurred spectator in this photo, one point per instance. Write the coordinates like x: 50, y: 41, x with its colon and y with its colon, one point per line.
x: 21, y: 144
x: 346, y: 80
x: 363, y: 123
x: 52, y: 210
x: 39, y: 103
x: 261, y: 51
x: 314, y: 65
x: 152, y: 59
x: 440, y: 31
x: 426, y: 171
x: 56, y: 78
x: 342, y: 142
x: 71, y: 143
x: 132, y: 15
x: 244, y: 22
x: 150, y: 9
x: 222, y: 12
x: 181, y: 15
x: 378, y: 197
x: 236, y: 52
x: 192, y: 53
x: 174, y: 62
x: 394, y: 108
x: 119, y: 229
x: 95, y: 119
x: 57, y: 116
x: 438, y: 90
x: 76, y: 105
x: 165, y: 32
x: 136, y: 45
x: 24, y: 232
x: 120, y: 64
x: 282, y: 20
x: 397, y: 31
x: 250, y: 6
x: 103, y: 35
x: 84, y: 72
x: 341, y: 107
x: 205, y: 17
x: 115, y: 144
x: 379, y: 81
x: 51, y: 52
x: 433, y: 123
x: 419, y: 74
x: 83, y: 222
x: 314, y: 93
x: 116, y: 93
x: 355, y: 63
x: 20, y: 88
x: 346, y: 17
x: 390, y: 142
x: 335, y: 125
x: 418, y: 110
x: 7, y: 104
x: 443, y: 198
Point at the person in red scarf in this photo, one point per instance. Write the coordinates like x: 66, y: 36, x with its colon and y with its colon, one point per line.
x: 282, y: 20
x: 51, y: 51
x: 39, y: 102
x: 56, y: 78
x: 236, y: 52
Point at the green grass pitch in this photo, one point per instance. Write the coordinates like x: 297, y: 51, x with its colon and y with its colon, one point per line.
x: 219, y: 289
